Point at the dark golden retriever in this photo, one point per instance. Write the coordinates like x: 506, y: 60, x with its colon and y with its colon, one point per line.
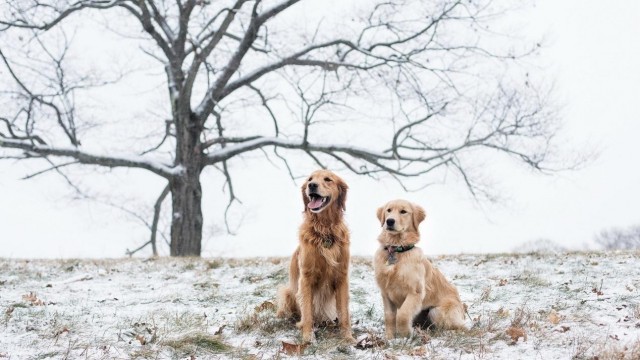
x: 411, y: 286
x: 318, y: 288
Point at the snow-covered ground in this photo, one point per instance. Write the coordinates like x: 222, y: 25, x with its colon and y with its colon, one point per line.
x: 531, y: 306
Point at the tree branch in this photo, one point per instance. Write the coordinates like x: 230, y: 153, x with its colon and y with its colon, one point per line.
x: 82, y: 157
x: 156, y: 216
x: 77, y: 6
x: 200, y: 57
x: 213, y: 94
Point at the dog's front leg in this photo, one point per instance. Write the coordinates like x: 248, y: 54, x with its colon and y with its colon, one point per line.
x: 342, y: 305
x: 409, y: 309
x: 389, y: 318
x: 305, y: 297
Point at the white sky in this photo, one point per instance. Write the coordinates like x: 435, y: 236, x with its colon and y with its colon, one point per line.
x: 592, y: 52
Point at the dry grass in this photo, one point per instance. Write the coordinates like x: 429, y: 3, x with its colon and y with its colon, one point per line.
x: 215, y: 309
x: 262, y: 320
x: 198, y: 342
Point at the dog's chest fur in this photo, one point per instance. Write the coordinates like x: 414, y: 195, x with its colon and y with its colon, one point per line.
x: 325, y: 262
x: 405, y: 276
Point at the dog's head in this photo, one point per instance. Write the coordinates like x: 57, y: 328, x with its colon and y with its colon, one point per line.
x: 400, y: 216
x: 324, y: 189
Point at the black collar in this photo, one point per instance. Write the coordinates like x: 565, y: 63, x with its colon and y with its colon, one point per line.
x: 392, y: 248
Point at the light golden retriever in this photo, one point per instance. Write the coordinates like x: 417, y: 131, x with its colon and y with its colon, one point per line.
x: 318, y: 288
x: 412, y: 289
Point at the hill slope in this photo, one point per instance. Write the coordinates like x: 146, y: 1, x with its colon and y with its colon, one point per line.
x: 563, y: 306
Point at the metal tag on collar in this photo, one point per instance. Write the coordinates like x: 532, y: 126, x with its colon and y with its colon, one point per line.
x: 392, y: 259
x: 327, y: 242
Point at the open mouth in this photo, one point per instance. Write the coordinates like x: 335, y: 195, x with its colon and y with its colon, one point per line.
x: 317, y: 202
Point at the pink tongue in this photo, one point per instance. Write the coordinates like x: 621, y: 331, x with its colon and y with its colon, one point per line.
x: 315, y: 203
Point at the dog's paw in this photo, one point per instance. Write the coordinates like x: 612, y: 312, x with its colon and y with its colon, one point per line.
x: 406, y: 333
x: 349, y: 339
x: 309, y: 337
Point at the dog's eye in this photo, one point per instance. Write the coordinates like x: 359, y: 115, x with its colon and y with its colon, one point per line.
x: 327, y: 179
x: 310, y: 179
x: 388, y: 210
x: 403, y: 211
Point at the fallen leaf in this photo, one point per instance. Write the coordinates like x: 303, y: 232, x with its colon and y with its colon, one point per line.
x: 33, y: 299
x: 267, y: 305
x: 420, y: 351
x: 293, y: 349
x: 367, y: 341
x: 62, y: 331
x: 503, y: 282
x: 597, y: 292
x: 422, y: 335
x: 141, y: 339
x: 219, y: 330
x: 502, y: 313
x: 515, y: 333
x: 553, y: 317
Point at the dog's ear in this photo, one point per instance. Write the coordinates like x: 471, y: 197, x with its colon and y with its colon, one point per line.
x: 341, y: 201
x: 418, y: 215
x: 305, y: 198
x: 380, y: 214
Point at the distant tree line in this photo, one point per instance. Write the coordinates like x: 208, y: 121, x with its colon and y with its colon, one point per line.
x: 619, y: 238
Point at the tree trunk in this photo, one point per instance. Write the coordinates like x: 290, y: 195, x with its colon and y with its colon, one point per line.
x: 186, y: 222
x: 186, y: 191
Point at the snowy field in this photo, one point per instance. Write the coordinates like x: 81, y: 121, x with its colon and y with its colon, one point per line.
x: 556, y: 306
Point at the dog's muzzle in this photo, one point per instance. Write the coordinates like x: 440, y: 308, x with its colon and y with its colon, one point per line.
x: 316, y: 201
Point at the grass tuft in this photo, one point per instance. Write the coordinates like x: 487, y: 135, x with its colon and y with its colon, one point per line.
x: 262, y: 320
x: 214, y: 264
x: 198, y: 341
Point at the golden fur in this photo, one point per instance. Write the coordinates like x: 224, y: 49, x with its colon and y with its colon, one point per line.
x: 411, y: 285
x: 318, y: 288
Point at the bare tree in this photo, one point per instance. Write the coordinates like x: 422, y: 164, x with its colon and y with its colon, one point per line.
x: 619, y: 239
x: 400, y: 88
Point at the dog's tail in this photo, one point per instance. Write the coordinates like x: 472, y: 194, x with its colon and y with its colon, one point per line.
x: 287, y: 305
x: 449, y: 316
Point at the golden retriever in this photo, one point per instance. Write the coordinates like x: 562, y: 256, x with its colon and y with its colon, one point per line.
x: 411, y: 286
x: 318, y: 288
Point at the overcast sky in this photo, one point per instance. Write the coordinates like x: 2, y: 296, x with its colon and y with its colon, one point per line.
x: 591, y: 51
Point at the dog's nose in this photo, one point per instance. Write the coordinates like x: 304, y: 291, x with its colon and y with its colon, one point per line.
x: 390, y: 222
x: 313, y: 186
